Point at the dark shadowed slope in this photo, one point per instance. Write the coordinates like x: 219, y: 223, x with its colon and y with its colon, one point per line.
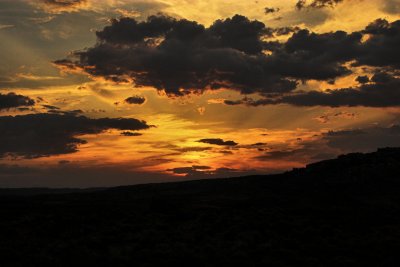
x: 342, y: 212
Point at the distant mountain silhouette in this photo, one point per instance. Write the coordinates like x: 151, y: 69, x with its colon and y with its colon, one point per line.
x: 341, y: 212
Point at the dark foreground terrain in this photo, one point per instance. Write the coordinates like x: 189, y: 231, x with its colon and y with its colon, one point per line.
x: 342, y: 212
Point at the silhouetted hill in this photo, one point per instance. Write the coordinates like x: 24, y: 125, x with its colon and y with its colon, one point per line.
x: 377, y: 167
x: 341, y: 212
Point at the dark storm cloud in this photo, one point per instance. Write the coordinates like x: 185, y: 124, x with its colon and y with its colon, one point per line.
x: 377, y: 94
x: 382, y: 48
x: 228, y: 54
x: 12, y: 100
x: 308, y: 55
x: 181, y: 56
x: 362, y: 79
x: 40, y: 135
x: 382, y: 91
x: 135, y: 100
x: 129, y: 31
x: 218, y: 142
x: 317, y: 3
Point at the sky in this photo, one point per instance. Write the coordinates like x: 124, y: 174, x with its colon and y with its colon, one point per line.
x: 119, y: 92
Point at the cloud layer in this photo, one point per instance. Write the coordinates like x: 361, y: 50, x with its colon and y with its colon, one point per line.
x: 382, y: 91
x: 41, y: 135
x: 135, y: 100
x: 12, y: 100
x: 218, y: 142
x: 181, y: 57
x: 58, y: 6
x: 317, y: 3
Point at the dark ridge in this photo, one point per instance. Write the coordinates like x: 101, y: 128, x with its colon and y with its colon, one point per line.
x: 341, y: 212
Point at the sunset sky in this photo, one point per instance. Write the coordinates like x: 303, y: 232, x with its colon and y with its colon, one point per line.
x: 116, y: 92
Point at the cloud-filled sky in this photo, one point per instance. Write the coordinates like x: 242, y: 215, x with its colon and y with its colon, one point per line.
x: 115, y: 92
